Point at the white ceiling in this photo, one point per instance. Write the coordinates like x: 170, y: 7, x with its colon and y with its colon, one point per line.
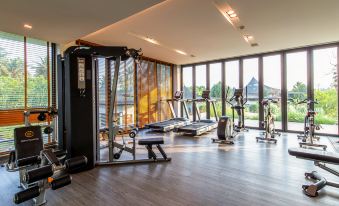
x: 193, y: 26
x: 62, y: 21
x: 198, y: 28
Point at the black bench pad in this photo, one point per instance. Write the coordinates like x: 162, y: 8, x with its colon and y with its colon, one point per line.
x: 315, y: 155
x: 149, y: 141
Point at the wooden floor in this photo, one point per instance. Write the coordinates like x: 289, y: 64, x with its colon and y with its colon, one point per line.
x: 201, y: 173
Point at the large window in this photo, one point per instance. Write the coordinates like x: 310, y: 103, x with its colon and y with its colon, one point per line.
x: 251, y: 84
x: 232, y: 82
x: 164, y: 90
x: 24, y: 79
x: 325, y: 89
x: 187, y: 84
x: 289, y: 76
x: 272, y: 85
x: 216, y: 87
x: 200, y: 86
x: 296, y: 65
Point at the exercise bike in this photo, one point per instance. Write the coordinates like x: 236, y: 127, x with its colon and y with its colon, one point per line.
x: 238, y: 106
x: 308, y: 137
x: 268, y: 123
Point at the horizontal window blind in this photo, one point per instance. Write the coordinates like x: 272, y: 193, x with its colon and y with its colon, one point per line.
x: 24, y: 83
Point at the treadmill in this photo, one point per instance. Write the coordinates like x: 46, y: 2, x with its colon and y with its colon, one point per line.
x: 175, y: 122
x: 202, y: 125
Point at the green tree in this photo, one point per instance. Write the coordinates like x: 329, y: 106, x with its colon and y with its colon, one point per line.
x: 41, y: 67
x: 216, y: 90
x: 299, y: 91
x: 15, y: 67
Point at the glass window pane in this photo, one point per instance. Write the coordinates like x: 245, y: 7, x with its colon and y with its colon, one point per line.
x: 37, y: 87
x: 232, y: 81
x: 296, y: 66
x: 201, y: 86
x: 325, y: 84
x: 272, y: 85
x: 12, y: 85
x: 215, y: 85
x: 251, y: 83
x: 187, y: 77
x: 102, y: 92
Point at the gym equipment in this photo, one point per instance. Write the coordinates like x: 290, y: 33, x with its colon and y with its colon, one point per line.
x: 200, y: 126
x: 238, y: 106
x: 268, y: 124
x: 308, y: 137
x: 79, y: 69
x: 39, y: 169
x: 175, y: 122
x: 225, y: 131
x: 320, y: 159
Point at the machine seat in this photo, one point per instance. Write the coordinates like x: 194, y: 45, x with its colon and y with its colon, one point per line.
x: 315, y: 155
x: 151, y: 141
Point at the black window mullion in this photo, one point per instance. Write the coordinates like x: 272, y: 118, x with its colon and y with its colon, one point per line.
x: 241, y: 73
x: 208, y: 87
x: 310, y: 77
x: 223, y: 88
x: 284, y: 92
x: 193, y: 91
x: 261, y: 90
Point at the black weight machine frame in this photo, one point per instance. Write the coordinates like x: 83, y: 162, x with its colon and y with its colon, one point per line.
x: 80, y: 134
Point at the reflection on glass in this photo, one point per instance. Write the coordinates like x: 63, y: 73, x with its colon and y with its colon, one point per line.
x: 272, y: 85
x: 325, y: 84
x: 102, y: 92
x: 251, y: 83
x: 187, y: 77
x: 296, y: 65
x: 200, y: 83
x: 215, y: 85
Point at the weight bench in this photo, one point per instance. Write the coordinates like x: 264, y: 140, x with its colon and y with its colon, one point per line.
x: 148, y: 143
x: 320, y: 158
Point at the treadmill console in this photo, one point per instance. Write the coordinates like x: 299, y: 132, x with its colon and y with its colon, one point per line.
x: 238, y: 92
x: 205, y: 94
x: 178, y: 95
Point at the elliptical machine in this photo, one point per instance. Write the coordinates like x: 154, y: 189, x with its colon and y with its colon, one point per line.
x: 308, y: 137
x: 268, y: 124
x: 227, y: 129
x: 238, y: 106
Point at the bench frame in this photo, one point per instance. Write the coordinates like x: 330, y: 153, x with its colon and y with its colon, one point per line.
x: 320, y: 182
x: 152, y: 157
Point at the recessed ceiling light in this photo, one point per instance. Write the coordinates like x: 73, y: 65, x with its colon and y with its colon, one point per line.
x: 180, y: 52
x: 233, y: 15
x: 153, y: 41
x: 27, y: 26
x: 230, y: 12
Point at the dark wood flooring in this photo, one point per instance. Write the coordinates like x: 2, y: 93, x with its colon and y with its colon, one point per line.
x: 200, y: 173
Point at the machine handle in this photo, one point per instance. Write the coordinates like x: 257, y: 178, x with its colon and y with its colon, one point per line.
x: 27, y: 194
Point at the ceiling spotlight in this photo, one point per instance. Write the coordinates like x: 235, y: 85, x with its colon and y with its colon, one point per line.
x: 233, y: 15
x: 249, y: 37
x: 180, y: 52
x: 27, y: 26
x: 151, y: 40
x: 230, y: 12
